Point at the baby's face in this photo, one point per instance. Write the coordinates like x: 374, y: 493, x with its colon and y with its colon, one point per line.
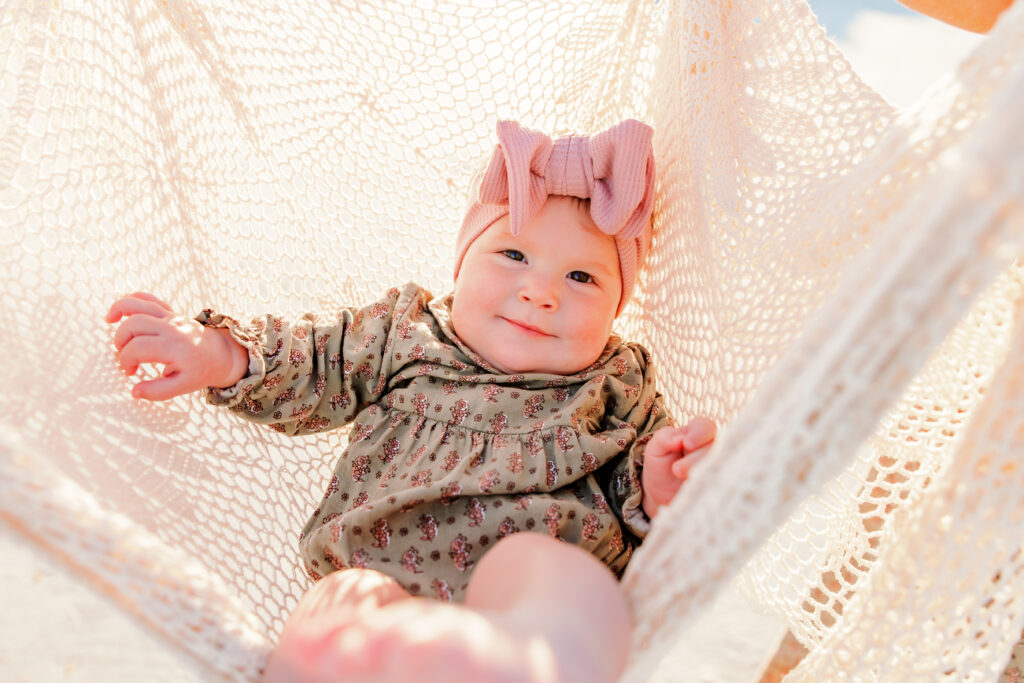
x: 544, y: 300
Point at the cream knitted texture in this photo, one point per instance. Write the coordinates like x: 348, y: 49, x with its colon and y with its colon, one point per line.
x: 836, y: 282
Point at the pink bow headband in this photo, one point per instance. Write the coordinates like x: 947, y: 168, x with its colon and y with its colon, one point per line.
x: 614, y: 169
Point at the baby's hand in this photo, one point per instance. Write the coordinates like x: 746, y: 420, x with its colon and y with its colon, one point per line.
x: 668, y: 457
x: 194, y: 357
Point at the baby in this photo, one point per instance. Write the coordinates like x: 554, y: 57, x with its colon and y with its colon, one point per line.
x: 504, y: 408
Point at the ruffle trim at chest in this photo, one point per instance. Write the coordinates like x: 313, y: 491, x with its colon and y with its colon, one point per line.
x: 434, y: 459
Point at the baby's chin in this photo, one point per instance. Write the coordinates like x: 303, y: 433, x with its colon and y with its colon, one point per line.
x: 535, y: 362
x: 538, y: 366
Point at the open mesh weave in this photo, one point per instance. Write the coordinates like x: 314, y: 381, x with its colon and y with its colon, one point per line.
x: 838, y: 283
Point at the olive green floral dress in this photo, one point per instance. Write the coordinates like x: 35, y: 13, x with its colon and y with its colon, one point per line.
x: 447, y: 455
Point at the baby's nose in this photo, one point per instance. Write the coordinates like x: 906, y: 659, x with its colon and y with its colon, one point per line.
x: 540, y: 293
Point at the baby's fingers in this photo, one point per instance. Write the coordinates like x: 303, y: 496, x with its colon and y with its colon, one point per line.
x: 146, y: 296
x: 667, y: 442
x: 161, y: 389
x: 698, y: 432
x: 146, y: 349
x: 140, y: 325
x: 140, y: 302
x: 681, y: 468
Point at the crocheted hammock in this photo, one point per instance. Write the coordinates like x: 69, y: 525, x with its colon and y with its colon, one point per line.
x: 839, y: 284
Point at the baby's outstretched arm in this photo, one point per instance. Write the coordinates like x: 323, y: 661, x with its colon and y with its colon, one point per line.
x: 668, y: 457
x: 194, y: 357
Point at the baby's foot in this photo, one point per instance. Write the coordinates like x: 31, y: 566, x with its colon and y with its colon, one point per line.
x: 419, y: 639
x: 359, y: 625
x: 331, y: 604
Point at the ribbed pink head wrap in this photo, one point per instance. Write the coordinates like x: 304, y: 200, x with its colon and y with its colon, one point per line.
x: 613, y: 168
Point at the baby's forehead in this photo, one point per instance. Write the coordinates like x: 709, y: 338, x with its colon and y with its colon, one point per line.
x: 562, y: 226
x: 582, y: 206
x: 577, y: 211
x: 579, y: 206
x: 547, y: 227
x: 559, y: 209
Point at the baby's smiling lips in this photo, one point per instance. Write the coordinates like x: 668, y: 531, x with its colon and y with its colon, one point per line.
x: 524, y: 327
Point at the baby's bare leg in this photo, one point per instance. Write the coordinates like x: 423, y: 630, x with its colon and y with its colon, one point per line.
x: 558, y: 597
x: 537, y: 611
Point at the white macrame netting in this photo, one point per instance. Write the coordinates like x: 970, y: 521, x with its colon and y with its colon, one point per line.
x: 838, y: 283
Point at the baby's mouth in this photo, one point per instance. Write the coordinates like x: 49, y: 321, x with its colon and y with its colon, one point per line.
x: 526, y: 327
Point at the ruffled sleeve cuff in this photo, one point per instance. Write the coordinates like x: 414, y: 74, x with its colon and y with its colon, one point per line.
x: 628, y: 491
x: 250, y: 339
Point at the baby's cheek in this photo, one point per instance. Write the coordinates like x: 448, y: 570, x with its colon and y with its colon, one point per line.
x: 587, y: 348
x: 591, y: 333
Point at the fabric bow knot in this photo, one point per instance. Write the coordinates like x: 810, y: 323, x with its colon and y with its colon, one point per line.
x: 613, y: 168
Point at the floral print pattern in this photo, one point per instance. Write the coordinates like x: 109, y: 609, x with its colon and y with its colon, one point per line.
x: 447, y: 455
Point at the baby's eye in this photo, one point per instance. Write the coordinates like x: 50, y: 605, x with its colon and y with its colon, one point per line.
x: 514, y: 254
x: 580, y: 276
